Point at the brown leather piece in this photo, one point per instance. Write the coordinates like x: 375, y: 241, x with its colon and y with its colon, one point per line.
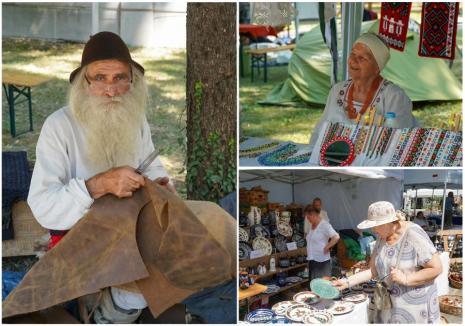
x: 175, y: 254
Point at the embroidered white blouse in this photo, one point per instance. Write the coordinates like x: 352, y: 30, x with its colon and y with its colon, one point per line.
x: 58, y: 196
x: 388, y: 98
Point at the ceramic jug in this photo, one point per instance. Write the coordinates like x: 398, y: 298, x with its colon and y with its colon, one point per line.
x: 272, y: 264
x: 254, y: 215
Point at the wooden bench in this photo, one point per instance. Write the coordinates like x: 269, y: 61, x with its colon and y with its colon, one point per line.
x: 445, y: 235
x: 17, y: 84
x: 260, y: 55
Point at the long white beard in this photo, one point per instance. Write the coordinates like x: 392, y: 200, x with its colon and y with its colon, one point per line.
x: 112, y: 126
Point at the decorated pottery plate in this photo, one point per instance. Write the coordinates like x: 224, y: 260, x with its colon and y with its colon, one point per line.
x: 298, y: 311
x: 284, y: 229
x: 293, y: 279
x: 271, y: 288
x: 243, y: 235
x: 307, y: 297
x: 259, y: 230
x: 299, y: 240
x: 318, y: 317
x: 281, y: 320
x: 325, y: 289
x: 280, y: 308
x: 341, y: 307
x: 280, y: 243
x: 244, y: 250
x: 260, y: 243
x: 355, y: 298
x: 260, y: 316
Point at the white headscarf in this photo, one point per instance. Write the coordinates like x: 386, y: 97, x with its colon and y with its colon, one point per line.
x: 377, y: 47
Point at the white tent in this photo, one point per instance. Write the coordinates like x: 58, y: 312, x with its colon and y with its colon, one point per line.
x: 345, y: 194
x: 432, y: 179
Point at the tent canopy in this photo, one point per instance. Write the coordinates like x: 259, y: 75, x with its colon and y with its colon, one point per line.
x: 310, y: 65
x: 345, y: 194
x: 432, y: 179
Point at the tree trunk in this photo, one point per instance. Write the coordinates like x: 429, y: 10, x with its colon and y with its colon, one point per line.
x: 211, y: 100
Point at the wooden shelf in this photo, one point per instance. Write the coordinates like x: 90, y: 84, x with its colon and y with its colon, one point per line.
x: 266, y: 259
x: 281, y: 270
x: 282, y: 289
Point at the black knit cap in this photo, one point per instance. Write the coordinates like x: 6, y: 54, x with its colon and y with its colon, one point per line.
x: 104, y: 46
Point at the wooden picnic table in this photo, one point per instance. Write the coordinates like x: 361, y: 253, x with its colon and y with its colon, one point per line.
x: 260, y: 55
x: 17, y: 84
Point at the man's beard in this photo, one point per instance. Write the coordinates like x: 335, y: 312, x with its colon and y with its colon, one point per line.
x: 112, y: 126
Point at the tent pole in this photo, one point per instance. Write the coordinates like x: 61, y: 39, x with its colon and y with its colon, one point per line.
x: 296, y: 21
x: 443, y: 205
x: 293, y: 184
x: 415, y: 209
x: 432, y: 200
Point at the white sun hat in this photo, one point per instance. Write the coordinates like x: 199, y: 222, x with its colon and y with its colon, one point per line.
x: 379, y: 213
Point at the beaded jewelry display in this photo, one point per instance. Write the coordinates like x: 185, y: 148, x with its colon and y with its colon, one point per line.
x: 257, y: 150
x: 284, y: 156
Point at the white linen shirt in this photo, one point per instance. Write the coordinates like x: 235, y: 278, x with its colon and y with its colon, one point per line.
x: 324, y: 217
x: 58, y: 196
x: 388, y: 98
x: 318, y: 239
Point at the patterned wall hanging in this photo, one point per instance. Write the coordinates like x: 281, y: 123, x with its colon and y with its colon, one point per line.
x: 393, y: 25
x: 438, y: 30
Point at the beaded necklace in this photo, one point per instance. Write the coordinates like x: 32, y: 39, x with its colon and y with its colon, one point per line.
x: 369, y: 98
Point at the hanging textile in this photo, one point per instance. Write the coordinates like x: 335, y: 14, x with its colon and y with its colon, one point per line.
x: 438, y: 30
x: 393, y: 26
x: 327, y: 16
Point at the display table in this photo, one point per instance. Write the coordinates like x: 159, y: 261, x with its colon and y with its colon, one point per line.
x: 358, y: 316
x: 252, y: 291
x: 397, y: 147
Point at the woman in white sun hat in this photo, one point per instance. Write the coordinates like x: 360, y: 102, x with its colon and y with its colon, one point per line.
x: 407, y: 261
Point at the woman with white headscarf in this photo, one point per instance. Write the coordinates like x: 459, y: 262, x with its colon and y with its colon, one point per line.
x: 366, y: 88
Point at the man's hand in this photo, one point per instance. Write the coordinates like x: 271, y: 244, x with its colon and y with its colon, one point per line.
x: 121, y: 182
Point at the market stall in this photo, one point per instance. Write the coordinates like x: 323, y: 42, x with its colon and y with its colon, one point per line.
x: 272, y: 245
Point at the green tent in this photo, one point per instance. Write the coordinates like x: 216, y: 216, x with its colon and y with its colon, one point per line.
x: 423, y: 79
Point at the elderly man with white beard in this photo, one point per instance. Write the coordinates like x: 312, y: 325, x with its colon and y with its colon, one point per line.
x: 90, y: 148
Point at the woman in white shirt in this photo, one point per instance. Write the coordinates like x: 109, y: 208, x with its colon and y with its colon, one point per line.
x: 321, y: 237
x: 366, y: 88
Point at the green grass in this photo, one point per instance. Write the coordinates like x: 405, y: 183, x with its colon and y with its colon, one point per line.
x: 296, y: 123
x: 165, y: 72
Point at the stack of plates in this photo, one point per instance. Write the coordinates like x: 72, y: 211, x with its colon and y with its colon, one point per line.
x: 298, y: 311
x: 272, y: 288
x: 355, y: 298
x: 280, y: 308
x: 260, y: 316
x: 293, y: 279
x: 341, y: 307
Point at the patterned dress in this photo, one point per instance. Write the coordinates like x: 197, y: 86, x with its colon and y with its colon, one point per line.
x: 410, y: 305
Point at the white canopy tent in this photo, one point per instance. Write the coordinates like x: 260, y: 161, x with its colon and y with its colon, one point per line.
x: 345, y: 194
x: 432, y: 179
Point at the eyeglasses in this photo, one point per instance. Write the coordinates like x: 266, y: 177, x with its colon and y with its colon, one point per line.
x: 100, y: 83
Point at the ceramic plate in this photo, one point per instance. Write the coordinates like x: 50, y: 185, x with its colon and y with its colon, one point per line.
x: 299, y: 240
x: 281, y: 307
x: 244, y: 250
x: 355, y: 298
x: 318, y: 317
x: 260, y: 243
x: 281, y: 320
x: 284, y: 229
x: 280, y: 243
x: 271, y: 288
x: 243, y: 235
x: 298, y: 311
x: 307, y: 297
x: 341, y: 307
x: 293, y: 279
x: 259, y: 230
x: 324, y: 288
x: 260, y: 316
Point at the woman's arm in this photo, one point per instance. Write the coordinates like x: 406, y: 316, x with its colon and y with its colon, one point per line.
x: 430, y: 271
